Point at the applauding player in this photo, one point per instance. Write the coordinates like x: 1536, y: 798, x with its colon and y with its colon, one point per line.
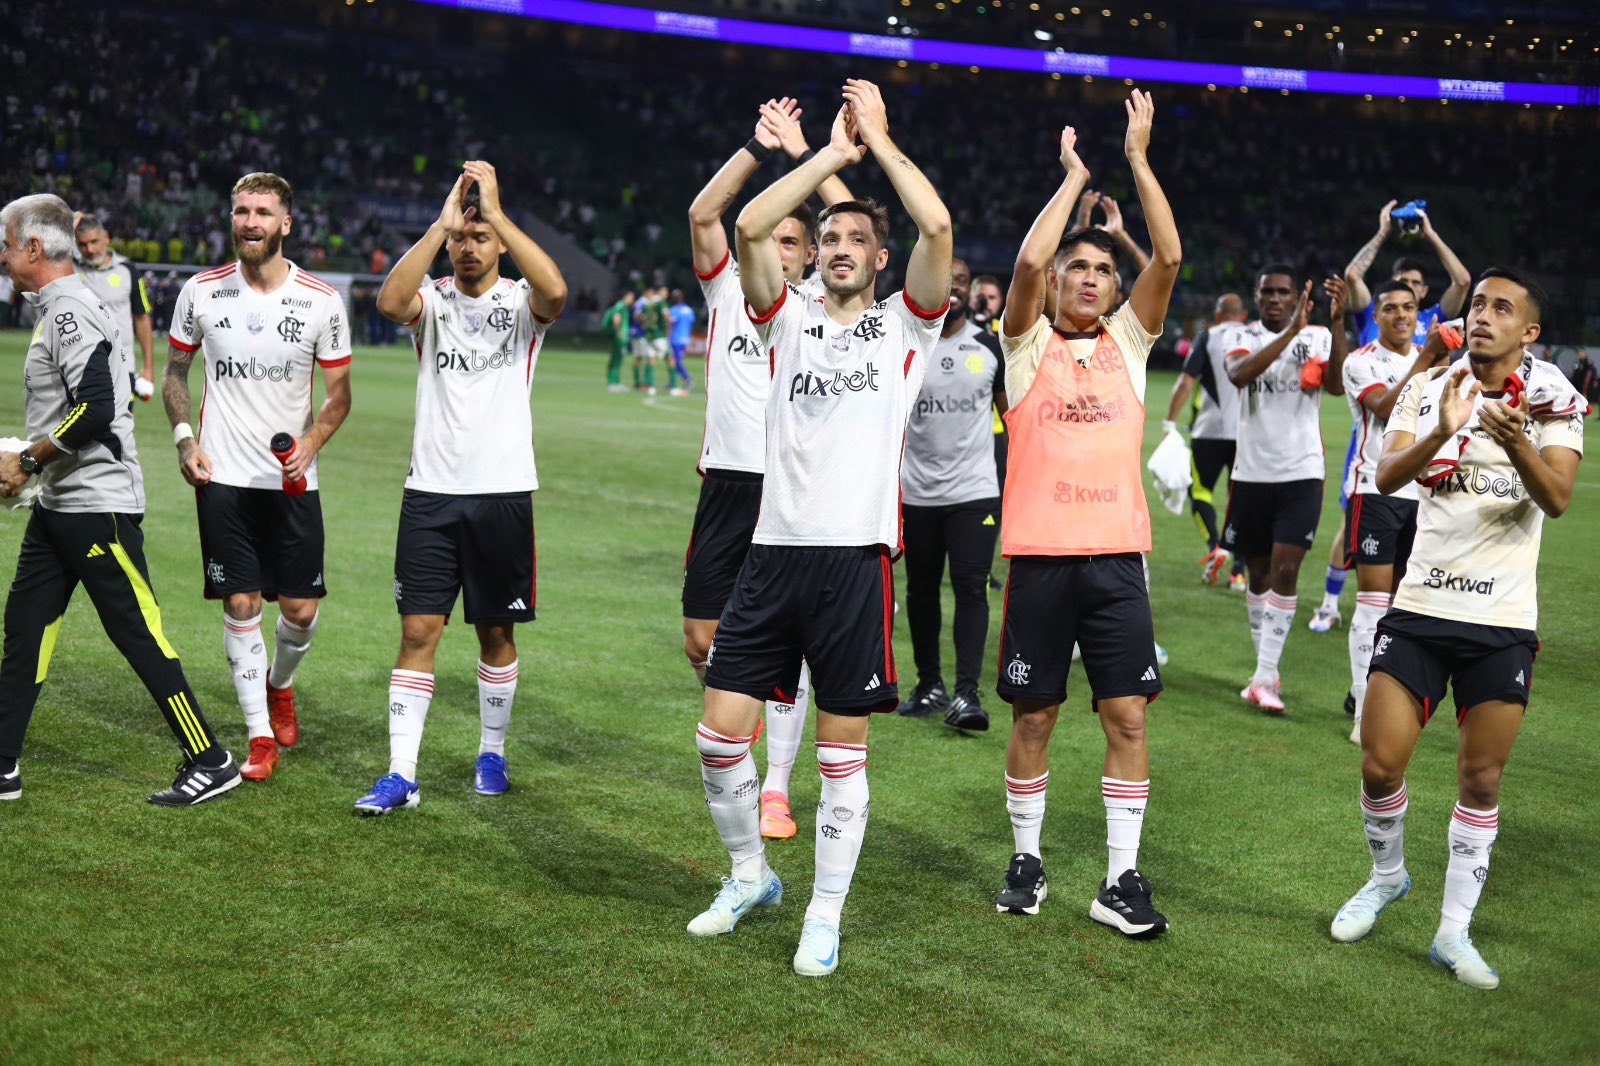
x: 263, y: 325
x: 816, y: 583
x: 1075, y: 522
x: 1495, y: 443
x: 466, y: 518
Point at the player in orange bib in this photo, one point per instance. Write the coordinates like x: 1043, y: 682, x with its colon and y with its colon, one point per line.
x: 1074, y: 520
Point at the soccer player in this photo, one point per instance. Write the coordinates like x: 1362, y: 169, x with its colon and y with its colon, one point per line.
x: 263, y: 326
x: 636, y: 342
x: 817, y: 583
x: 733, y: 450
x: 950, y: 503
x: 466, y: 517
x: 656, y: 348
x: 1381, y: 527
x: 1410, y: 271
x: 680, y: 317
x: 1211, y: 438
x: 84, y: 527
x: 1076, y: 524
x: 1275, y: 489
x: 120, y: 285
x: 615, y: 323
x: 1495, y: 442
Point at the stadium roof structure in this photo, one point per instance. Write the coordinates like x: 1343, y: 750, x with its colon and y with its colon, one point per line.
x: 1057, y: 62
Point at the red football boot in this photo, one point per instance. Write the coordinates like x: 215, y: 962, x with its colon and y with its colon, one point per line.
x: 280, y: 712
x: 263, y: 759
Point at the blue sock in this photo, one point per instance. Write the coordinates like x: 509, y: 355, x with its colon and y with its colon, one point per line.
x: 1335, y: 582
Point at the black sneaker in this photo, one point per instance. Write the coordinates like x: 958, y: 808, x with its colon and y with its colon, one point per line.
x: 924, y: 700
x: 196, y: 784
x: 1025, y: 888
x: 1125, y: 906
x: 11, y: 784
x: 965, y: 712
x: 1350, y: 703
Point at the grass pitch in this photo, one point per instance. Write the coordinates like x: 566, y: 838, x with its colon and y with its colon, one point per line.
x: 547, y: 924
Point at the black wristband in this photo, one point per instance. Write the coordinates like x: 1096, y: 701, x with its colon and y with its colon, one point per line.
x: 805, y: 157
x: 759, y: 150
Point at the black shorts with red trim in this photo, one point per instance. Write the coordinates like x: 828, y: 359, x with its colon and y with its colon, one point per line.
x: 832, y: 607
x: 1264, y: 513
x: 724, y: 521
x: 1482, y: 663
x: 480, y: 547
x: 260, y: 540
x: 1098, y: 602
x: 1379, y: 530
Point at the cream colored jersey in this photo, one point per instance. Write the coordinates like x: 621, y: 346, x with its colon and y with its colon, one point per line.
x: 1372, y: 369
x: 1476, y: 554
x: 1022, y: 354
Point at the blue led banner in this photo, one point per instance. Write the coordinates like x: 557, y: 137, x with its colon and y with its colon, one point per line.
x: 956, y: 53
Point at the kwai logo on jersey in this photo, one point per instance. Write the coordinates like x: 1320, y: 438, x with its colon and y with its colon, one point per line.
x: 1443, y: 579
x: 1067, y: 492
x: 251, y: 369
x: 1084, y: 409
x: 837, y: 384
x: 470, y: 362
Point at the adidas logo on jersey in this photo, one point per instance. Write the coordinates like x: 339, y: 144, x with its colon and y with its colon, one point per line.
x: 517, y: 605
x: 815, y: 332
x: 223, y: 324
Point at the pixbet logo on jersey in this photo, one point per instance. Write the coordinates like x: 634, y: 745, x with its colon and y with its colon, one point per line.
x: 251, y: 370
x: 948, y: 405
x: 809, y: 384
x: 472, y: 361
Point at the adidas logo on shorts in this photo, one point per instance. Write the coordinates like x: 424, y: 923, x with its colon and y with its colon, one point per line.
x: 1149, y: 674
x: 874, y: 683
x: 517, y: 605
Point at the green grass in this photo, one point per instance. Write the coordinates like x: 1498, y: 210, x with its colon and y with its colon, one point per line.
x: 547, y: 924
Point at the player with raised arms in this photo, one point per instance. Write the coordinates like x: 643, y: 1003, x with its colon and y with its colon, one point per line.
x: 263, y: 326
x: 733, y: 447
x: 816, y: 584
x: 466, y: 517
x: 1494, y: 442
x: 1075, y: 523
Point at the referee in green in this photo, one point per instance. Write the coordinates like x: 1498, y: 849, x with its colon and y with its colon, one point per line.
x: 84, y: 528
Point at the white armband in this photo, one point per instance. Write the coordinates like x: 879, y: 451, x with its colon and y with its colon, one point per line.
x: 182, y: 432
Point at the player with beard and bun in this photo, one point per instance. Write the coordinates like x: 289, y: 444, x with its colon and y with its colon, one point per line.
x: 817, y: 583
x: 1494, y: 442
x: 1076, y: 523
x: 950, y: 503
x: 1275, y: 495
x: 264, y: 326
x: 732, y: 448
x: 466, y: 515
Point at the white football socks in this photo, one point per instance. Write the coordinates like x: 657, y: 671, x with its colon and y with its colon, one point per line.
x: 1025, y: 805
x: 785, y: 725
x: 1125, y: 802
x: 1370, y: 607
x: 497, y: 687
x: 410, y: 692
x: 729, y: 775
x: 289, y: 645
x: 1472, y: 836
x: 1385, y: 823
x: 1276, y: 619
x: 1254, y: 604
x: 841, y: 826
x: 247, y: 662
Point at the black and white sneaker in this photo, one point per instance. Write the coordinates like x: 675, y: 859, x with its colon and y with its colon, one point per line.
x: 11, y: 784
x: 196, y: 784
x: 1025, y: 888
x: 965, y: 712
x: 1125, y: 906
x: 1350, y: 704
x: 924, y: 700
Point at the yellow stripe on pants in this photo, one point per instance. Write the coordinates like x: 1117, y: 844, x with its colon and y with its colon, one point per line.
x: 146, y: 598
x: 191, y: 731
x: 47, y: 647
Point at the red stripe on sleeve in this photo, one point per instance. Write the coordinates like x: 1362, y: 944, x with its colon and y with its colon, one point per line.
x: 766, y: 316
x: 928, y: 316
x: 182, y: 347
x: 722, y: 264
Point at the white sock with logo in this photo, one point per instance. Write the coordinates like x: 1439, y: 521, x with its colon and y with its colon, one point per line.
x: 1385, y: 823
x: 289, y: 645
x: 410, y: 692
x: 1025, y: 805
x: 1254, y: 604
x: 1472, y: 836
x: 1125, y: 802
x: 1276, y: 619
x: 497, y: 687
x: 1370, y: 607
x: 247, y: 662
x: 729, y: 775
x: 785, y: 725
x: 841, y: 826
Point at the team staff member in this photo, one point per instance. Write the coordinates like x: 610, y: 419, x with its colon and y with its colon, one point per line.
x: 1076, y: 523
x: 84, y: 529
x: 949, y: 508
x: 120, y: 286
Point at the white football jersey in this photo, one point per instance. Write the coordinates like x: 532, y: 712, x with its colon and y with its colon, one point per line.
x: 1218, y: 416
x: 836, y: 418
x: 259, y: 353
x: 1372, y: 368
x: 475, y: 360
x: 1280, y: 424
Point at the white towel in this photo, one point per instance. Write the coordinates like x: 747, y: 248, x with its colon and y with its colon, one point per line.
x: 1170, y: 467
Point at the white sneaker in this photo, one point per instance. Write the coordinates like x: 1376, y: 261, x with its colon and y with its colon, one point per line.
x: 735, y: 900
x: 680, y: 392
x: 818, y: 953
x: 1355, y: 733
x: 1355, y: 918
x: 1456, y: 954
x: 1325, y: 618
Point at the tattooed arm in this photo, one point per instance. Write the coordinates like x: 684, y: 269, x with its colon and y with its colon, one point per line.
x: 194, y: 463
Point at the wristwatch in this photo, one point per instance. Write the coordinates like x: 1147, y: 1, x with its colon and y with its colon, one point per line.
x: 29, y: 464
